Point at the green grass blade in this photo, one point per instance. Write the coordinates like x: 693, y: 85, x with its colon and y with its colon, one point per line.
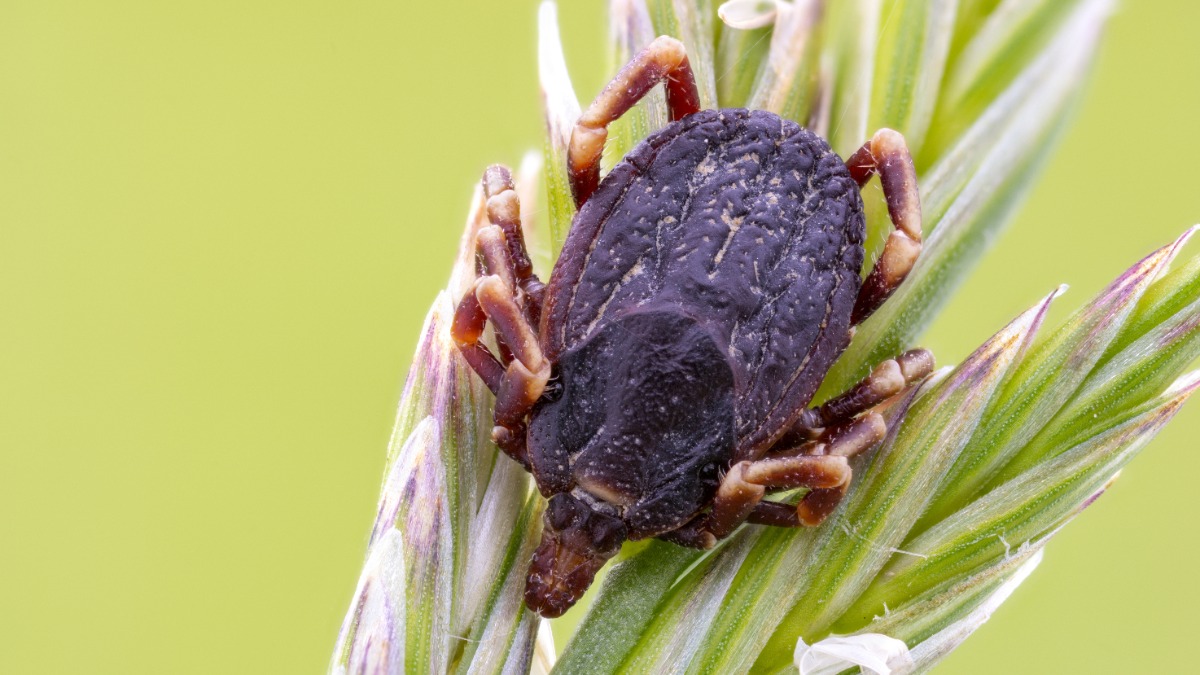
x: 740, y: 53
x: 434, y: 454
x: 561, y: 109
x: 786, y: 81
x: 753, y: 605
x: 422, y: 515
x: 372, y: 635
x: 897, y: 486
x: 937, y: 609
x: 1009, y: 39
x: 1166, y: 298
x: 932, y: 650
x: 497, y: 627
x: 1019, y: 512
x: 849, y: 43
x: 1141, y: 370
x: 970, y: 17
x: 914, y: 41
x: 682, y: 619
x: 1046, y: 379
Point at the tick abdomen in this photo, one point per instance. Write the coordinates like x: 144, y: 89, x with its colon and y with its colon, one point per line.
x: 746, y: 215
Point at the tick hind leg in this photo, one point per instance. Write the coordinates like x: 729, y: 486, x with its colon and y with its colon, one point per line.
x: 510, y: 296
x: 822, y: 465
x: 887, y: 155
x: 886, y: 380
x: 663, y: 60
x: 814, y: 455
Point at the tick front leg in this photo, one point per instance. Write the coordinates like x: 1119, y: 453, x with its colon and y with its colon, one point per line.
x: 887, y: 155
x: 470, y: 319
x: 663, y: 60
x: 526, y: 376
x: 693, y: 534
x: 508, y: 251
x: 747, y: 482
x: 810, y: 512
x: 466, y: 330
x: 517, y: 386
x: 511, y: 296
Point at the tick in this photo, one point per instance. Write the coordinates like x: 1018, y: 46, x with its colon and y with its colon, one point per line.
x: 659, y: 385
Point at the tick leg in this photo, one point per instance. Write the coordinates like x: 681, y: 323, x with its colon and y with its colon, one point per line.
x: 466, y: 329
x: 491, y: 252
x: 511, y: 297
x: 887, y: 379
x: 492, y: 249
x: 525, y: 378
x: 693, y: 534
x: 511, y: 439
x: 774, y: 514
x: 736, y: 498
x: 504, y: 212
x: 663, y: 60
x: 845, y: 440
x: 811, y: 511
x: 887, y: 155
x: 517, y: 386
x: 747, y: 482
x: 822, y: 465
x: 815, y: 454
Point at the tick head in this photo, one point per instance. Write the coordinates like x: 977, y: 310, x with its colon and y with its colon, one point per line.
x: 576, y: 542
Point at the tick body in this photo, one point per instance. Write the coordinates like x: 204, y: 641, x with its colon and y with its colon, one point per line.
x: 659, y: 385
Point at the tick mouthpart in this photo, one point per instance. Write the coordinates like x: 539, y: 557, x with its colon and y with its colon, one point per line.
x: 559, y: 576
x: 576, y: 542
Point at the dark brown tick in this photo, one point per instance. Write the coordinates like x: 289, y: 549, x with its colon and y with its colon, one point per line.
x: 659, y: 385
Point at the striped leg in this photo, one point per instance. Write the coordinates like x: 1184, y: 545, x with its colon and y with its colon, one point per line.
x: 663, y: 60
x: 886, y: 154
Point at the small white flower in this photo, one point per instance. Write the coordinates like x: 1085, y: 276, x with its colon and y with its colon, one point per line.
x: 873, y: 652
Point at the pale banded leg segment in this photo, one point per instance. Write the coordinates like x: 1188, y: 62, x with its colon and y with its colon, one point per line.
x: 821, y: 465
x: 663, y: 60
x: 518, y: 385
x: 467, y: 330
x: 887, y: 379
x: 887, y: 156
x: 814, y: 455
x: 491, y: 248
x: 504, y: 212
x: 510, y: 296
x: 525, y: 378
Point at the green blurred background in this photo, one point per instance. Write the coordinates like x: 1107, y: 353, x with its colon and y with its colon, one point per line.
x: 221, y: 224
